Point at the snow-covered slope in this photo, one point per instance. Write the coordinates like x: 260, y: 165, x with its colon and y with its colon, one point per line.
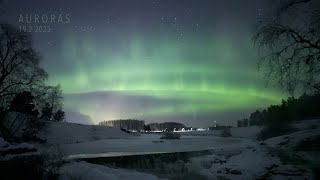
x: 292, y: 140
x: 67, y: 133
x: 290, y: 156
x: 248, y: 163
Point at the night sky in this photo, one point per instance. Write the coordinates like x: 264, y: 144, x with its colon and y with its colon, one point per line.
x: 192, y: 62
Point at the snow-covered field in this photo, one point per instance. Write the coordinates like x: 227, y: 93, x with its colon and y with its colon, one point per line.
x: 238, y: 157
x: 77, y: 140
x: 68, y: 133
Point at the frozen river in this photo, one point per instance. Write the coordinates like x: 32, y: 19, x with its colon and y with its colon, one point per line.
x: 149, y: 144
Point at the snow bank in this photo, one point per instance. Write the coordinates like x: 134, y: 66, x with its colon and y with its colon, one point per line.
x: 251, y: 132
x: 263, y: 160
x: 84, y: 170
x: 67, y: 133
x: 291, y: 140
x: 249, y: 163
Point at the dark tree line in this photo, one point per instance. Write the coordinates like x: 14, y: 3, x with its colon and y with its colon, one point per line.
x: 128, y: 124
x: 139, y: 125
x: 147, y: 128
x: 288, y: 38
x: 292, y: 109
x: 243, y: 122
x: 168, y: 126
x: 276, y: 119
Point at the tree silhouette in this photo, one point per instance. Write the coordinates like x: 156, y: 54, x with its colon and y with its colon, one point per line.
x: 49, y: 101
x: 146, y: 128
x: 22, y: 86
x: 127, y: 124
x: 289, y: 44
x: 19, y: 64
x: 46, y: 112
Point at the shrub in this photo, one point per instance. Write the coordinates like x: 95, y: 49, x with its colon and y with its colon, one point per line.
x: 44, y: 165
x: 52, y: 161
x: 59, y: 116
x: 16, y: 126
x: 27, y: 167
x: 308, y: 144
x: 274, y: 130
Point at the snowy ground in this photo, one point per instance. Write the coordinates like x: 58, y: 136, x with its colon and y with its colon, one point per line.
x: 68, y: 133
x: 237, y: 157
x: 241, y: 156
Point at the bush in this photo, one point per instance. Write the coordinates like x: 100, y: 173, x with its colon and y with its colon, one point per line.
x: 45, y: 165
x: 226, y: 132
x: 170, y: 135
x: 59, y: 116
x: 274, y: 130
x: 27, y: 167
x: 16, y: 126
x: 52, y: 161
x: 309, y: 144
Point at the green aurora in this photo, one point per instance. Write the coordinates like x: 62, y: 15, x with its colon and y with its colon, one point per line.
x: 192, y: 76
x: 161, y: 60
